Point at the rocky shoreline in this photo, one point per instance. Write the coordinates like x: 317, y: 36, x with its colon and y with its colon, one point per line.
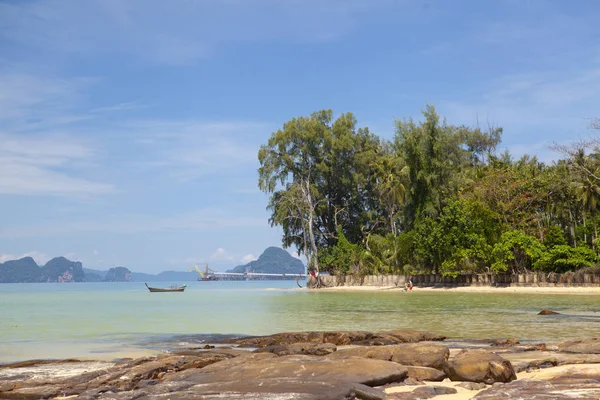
x: 395, y: 364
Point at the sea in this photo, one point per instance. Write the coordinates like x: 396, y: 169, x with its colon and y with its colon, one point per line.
x: 119, y: 320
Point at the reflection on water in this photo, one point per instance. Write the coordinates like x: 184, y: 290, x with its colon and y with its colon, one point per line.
x: 49, y: 320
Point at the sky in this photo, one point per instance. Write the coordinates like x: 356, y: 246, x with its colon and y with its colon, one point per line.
x: 129, y: 129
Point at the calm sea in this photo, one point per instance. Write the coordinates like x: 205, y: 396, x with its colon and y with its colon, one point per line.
x: 110, y: 320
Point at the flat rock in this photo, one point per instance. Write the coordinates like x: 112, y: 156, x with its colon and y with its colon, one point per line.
x: 338, y: 338
x: 50, y: 372
x: 425, y: 374
x: 410, y: 336
x: 586, y: 346
x: 311, y: 349
x: 263, y: 389
x: 541, y: 390
x: 479, y: 366
x: 416, y: 354
x: 351, y: 369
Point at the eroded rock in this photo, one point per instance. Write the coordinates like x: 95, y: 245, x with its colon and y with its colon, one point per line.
x: 416, y: 354
x: 479, y: 366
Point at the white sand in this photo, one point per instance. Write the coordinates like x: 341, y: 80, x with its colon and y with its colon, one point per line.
x: 475, y: 289
x: 461, y: 393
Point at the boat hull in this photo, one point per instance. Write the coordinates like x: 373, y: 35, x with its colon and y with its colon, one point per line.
x: 160, y: 290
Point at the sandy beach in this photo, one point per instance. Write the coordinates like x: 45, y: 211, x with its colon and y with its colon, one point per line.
x: 477, y: 289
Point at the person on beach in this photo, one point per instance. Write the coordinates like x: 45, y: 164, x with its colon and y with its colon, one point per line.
x: 410, y: 285
x: 405, y: 287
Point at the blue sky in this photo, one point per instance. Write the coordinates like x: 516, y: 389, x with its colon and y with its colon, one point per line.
x: 129, y: 129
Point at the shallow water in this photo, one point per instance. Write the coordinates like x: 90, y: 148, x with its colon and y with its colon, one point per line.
x: 113, y: 319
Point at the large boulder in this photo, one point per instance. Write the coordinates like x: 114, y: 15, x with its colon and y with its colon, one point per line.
x: 416, y: 354
x: 479, y: 366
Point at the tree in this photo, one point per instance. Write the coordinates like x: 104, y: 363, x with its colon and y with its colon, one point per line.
x: 318, y: 173
x: 390, y: 175
x: 433, y: 156
x: 290, y: 168
x: 516, y: 252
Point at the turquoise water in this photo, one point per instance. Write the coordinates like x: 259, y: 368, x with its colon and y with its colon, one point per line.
x: 105, y: 320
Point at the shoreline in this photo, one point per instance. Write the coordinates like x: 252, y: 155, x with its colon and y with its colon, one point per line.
x: 583, y: 290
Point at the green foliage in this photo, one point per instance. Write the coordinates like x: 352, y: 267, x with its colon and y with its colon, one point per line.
x: 554, y: 237
x: 563, y: 258
x: 341, y: 258
x: 436, y: 199
x: 516, y: 252
x: 460, y: 240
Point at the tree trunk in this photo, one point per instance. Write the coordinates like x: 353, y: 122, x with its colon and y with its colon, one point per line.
x: 314, y: 262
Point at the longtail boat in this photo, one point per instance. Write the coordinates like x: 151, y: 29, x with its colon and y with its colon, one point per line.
x: 169, y: 289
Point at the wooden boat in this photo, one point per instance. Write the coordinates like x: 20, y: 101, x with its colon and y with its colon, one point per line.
x: 169, y: 289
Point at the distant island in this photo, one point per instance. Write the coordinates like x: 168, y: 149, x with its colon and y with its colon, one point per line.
x: 60, y: 269
x: 272, y: 261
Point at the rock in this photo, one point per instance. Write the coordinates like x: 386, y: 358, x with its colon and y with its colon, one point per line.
x: 479, y: 366
x: 375, y: 342
x: 532, y: 389
x: 271, y: 389
x: 341, y: 338
x: 338, y: 338
x: 323, y: 369
x: 472, y: 385
x: 545, y: 311
x: 280, y: 339
x: 409, y: 336
x: 425, y: 374
x: 314, y: 349
x: 423, y: 392
x: 505, y: 343
x: 33, y: 393
x: 586, y: 346
x: 416, y: 354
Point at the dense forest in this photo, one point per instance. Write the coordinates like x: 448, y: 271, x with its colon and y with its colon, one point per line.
x: 438, y: 198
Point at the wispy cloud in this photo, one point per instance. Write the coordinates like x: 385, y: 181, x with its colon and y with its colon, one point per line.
x: 131, y: 105
x: 563, y: 99
x: 34, y: 165
x: 208, y: 220
x: 173, y: 33
x: 189, y: 149
x: 31, y: 97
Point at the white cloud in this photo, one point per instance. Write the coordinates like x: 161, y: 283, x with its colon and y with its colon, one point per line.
x: 222, y: 255
x: 39, y: 257
x: 248, y: 258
